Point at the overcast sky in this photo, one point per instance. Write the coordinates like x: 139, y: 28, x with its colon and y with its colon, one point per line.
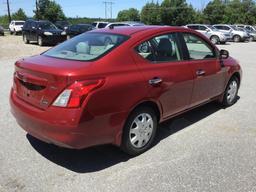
x: 86, y: 8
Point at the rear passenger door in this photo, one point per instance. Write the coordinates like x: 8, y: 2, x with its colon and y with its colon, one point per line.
x: 168, y: 79
x: 209, y: 76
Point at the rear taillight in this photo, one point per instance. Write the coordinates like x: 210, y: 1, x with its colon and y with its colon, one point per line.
x: 74, y: 95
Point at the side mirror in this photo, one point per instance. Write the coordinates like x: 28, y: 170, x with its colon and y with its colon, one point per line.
x: 207, y: 30
x: 224, y: 54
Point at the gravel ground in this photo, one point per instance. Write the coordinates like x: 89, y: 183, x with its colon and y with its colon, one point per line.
x: 207, y: 149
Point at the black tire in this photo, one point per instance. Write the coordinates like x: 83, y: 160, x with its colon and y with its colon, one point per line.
x: 40, y: 41
x: 25, y: 39
x: 127, y: 145
x: 227, y: 101
x: 237, y: 38
x: 215, y: 39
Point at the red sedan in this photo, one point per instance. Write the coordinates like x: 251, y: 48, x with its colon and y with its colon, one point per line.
x: 115, y: 85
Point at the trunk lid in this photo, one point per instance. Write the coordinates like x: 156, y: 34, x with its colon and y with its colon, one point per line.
x: 40, y: 79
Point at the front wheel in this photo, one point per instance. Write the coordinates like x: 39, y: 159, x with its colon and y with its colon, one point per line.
x: 237, y: 38
x: 215, y: 39
x: 40, y: 41
x: 230, y: 94
x: 25, y: 39
x: 139, y: 131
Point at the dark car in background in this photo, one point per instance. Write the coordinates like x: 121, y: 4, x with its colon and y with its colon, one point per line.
x: 1, y: 30
x: 42, y: 32
x: 78, y: 29
x: 62, y: 24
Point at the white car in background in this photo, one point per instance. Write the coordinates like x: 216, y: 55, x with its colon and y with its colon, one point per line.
x: 238, y: 35
x: 125, y: 23
x: 16, y: 27
x: 212, y: 33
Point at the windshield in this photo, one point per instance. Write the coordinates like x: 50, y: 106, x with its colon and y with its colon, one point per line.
x: 87, y: 46
x: 47, y: 25
x: 19, y: 23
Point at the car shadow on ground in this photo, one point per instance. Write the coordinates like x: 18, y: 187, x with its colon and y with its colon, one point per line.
x: 101, y: 157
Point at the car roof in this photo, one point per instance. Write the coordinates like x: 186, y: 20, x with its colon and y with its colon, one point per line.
x: 130, y: 30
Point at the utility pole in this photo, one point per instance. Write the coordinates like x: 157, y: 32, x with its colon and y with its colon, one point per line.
x: 37, y: 9
x: 108, y: 8
x: 9, y: 13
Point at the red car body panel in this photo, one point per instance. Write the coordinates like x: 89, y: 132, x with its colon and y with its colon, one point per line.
x: 102, y: 116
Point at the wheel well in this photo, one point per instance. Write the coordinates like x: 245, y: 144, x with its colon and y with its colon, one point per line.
x: 236, y: 35
x: 152, y: 105
x: 237, y: 75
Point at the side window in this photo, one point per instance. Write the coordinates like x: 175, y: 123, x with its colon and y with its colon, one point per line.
x: 248, y: 28
x: 102, y: 25
x: 193, y: 27
x: 198, y: 49
x: 226, y: 28
x: 162, y: 48
x: 202, y: 28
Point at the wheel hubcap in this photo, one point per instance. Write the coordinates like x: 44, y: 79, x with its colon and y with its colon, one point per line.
x: 214, y: 40
x: 232, y: 90
x: 141, y: 130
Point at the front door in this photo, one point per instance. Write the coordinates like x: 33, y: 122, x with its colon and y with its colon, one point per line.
x: 209, y: 76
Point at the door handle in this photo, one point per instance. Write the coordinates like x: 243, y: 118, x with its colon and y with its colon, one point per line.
x: 200, y: 72
x: 155, y: 81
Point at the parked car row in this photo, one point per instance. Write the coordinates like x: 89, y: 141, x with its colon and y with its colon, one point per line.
x: 221, y: 33
x: 45, y: 32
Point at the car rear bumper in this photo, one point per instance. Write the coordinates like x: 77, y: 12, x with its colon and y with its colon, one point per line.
x: 59, y: 126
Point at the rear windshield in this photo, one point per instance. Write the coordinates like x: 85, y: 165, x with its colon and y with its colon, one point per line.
x: 19, y: 23
x: 87, y: 46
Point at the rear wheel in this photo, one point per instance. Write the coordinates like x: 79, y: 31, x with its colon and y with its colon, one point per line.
x: 40, y: 41
x: 215, y: 39
x: 25, y: 39
x: 139, y: 131
x: 230, y: 95
x: 237, y: 38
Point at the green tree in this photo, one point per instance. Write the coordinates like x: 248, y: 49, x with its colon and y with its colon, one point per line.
x: 4, y: 21
x: 177, y: 12
x: 151, y: 14
x: 49, y: 10
x: 128, y: 15
x: 215, y: 12
x: 249, y: 10
x: 19, y: 15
